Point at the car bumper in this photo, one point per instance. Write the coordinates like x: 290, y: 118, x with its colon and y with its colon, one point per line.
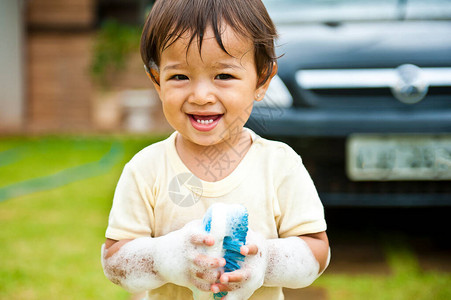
x: 297, y: 122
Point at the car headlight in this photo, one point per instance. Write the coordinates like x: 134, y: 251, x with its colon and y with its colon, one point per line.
x: 277, y: 95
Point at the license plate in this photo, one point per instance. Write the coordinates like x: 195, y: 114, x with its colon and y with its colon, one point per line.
x: 398, y: 157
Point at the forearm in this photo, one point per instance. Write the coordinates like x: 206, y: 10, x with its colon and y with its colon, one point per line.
x: 319, y: 245
x: 295, y: 262
x: 147, y: 263
x: 132, y: 265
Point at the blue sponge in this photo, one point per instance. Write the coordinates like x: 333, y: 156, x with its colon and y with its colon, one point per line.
x: 234, y: 228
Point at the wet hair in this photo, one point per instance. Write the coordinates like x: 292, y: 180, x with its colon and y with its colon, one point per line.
x: 171, y: 19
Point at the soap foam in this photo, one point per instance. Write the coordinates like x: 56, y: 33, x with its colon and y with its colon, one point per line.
x: 147, y: 263
x: 291, y: 263
x: 218, y: 228
x: 133, y: 266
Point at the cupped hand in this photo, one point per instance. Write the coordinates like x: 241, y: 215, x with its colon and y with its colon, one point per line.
x: 205, y: 270
x: 190, y: 267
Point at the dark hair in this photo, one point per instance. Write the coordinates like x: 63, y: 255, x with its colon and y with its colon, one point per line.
x: 170, y: 19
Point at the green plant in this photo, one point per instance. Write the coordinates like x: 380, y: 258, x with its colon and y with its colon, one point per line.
x: 113, y: 44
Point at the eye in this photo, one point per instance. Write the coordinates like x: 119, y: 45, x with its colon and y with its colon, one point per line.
x: 179, y: 77
x: 224, y: 76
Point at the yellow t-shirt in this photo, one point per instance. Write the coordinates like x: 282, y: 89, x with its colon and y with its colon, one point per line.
x: 157, y: 194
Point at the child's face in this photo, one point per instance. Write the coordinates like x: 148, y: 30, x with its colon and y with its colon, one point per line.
x: 207, y: 97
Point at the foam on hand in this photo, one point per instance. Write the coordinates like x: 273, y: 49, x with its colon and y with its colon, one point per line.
x: 147, y: 263
x: 228, y: 225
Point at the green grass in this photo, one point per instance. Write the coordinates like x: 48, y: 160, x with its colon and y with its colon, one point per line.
x: 407, y: 281
x: 50, y: 238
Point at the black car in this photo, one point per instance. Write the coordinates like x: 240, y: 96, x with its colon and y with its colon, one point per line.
x: 363, y: 94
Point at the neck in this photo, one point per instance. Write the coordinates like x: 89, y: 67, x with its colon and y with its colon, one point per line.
x: 217, y: 161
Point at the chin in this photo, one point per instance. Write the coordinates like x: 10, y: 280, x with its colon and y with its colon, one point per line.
x: 207, y: 142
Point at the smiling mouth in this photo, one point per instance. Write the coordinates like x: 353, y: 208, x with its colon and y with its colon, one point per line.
x: 205, y: 119
x: 209, y: 121
x: 205, y: 122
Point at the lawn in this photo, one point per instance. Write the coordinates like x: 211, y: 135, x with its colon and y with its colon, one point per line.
x: 55, y: 195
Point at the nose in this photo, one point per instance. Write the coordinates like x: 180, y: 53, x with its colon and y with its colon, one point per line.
x: 203, y: 92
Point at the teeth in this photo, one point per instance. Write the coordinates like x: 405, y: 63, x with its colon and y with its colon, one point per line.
x: 205, y: 121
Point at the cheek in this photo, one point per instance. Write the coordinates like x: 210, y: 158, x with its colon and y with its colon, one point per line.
x: 169, y: 92
x: 171, y: 112
x: 239, y: 114
x: 171, y: 101
x: 241, y: 96
x: 242, y: 106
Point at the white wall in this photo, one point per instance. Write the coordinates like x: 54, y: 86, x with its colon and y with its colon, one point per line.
x: 11, y: 64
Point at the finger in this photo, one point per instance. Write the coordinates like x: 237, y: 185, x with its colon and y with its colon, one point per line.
x: 219, y: 287
x: 202, y: 240
x: 235, y: 276
x: 251, y: 249
x: 201, y: 284
x: 204, y: 261
x: 209, y: 276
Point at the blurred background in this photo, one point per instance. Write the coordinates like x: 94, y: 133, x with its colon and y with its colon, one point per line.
x: 67, y: 64
x: 363, y: 94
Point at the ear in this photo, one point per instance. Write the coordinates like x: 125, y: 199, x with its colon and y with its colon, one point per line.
x: 154, y: 76
x: 262, y: 88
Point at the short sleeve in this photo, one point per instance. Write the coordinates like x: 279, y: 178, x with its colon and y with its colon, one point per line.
x: 131, y: 215
x: 301, y: 210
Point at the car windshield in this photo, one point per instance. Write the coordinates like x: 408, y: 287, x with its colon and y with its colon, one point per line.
x: 311, y: 11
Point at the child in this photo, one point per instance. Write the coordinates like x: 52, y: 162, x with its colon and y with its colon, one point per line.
x: 209, y: 60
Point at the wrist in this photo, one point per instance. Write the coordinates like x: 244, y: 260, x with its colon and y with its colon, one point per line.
x: 171, y: 258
